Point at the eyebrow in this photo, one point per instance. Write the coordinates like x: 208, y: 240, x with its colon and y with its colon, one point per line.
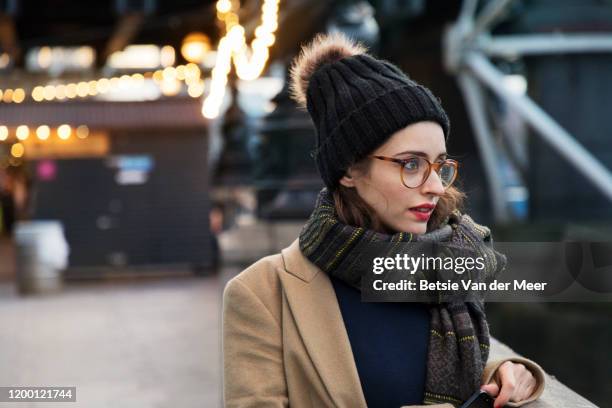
x: 422, y: 154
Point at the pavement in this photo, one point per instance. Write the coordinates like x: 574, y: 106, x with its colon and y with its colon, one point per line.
x: 122, y: 343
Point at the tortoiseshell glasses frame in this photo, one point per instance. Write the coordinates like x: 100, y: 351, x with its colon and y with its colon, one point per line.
x: 411, y: 177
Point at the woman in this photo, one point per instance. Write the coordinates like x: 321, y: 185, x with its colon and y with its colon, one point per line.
x: 295, y: 332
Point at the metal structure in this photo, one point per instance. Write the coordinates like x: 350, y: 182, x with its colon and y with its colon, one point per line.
x: 468, y: 46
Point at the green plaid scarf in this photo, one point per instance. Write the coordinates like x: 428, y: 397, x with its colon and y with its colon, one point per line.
x: 459, y: 333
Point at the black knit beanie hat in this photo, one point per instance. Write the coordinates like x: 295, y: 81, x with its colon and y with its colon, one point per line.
x: 356, y: 102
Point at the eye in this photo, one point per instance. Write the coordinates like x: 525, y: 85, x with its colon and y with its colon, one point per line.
x: 412, y: 164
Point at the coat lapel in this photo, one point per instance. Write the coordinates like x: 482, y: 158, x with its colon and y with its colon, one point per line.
x: 314, y: 305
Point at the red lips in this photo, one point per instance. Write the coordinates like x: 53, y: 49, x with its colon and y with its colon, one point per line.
x: 427, y: 206
x: 423, y: 211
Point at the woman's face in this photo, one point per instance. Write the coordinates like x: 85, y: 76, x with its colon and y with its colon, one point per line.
x: 382, y: 187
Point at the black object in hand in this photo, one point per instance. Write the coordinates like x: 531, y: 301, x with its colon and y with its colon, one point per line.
x: 479, y: 399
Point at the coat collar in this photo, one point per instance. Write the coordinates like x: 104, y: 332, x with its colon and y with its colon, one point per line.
x: 297, y: 264
x: 315, y: 308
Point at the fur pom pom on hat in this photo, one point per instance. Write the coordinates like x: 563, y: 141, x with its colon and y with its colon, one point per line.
x: 324, y: 49
x: 355, y: 101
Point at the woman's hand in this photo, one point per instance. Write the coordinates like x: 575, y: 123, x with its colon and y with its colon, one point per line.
x: 517, y: 384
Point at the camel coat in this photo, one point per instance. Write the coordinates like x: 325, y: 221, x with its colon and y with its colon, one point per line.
x: 285, y: 343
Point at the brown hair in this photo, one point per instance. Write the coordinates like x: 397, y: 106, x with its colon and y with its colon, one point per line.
x: 353, y: 210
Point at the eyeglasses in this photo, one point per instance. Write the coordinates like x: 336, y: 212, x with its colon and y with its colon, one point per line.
x: 414, y: 171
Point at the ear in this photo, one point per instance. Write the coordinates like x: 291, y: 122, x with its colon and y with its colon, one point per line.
x: 348, y: 180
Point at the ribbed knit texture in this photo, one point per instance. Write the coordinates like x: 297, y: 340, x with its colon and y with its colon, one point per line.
x: 357, y: 103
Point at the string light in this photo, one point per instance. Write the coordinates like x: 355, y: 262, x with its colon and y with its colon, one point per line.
x: 22, y: 132
x: 49, y: 92
x: 71, y: 91
x: 60, y: 92
x: 170, y: 86
x: 158, y: 76
x: 8, y: 95
x: 43, y: 132
x: 224, y: 6
x: 190, y: 73
x: 18, y: 95
x: 64, y: 131
x: 17, y: 150
x: 82, y: 89
x: 169, y: 73
x: 103, y: 85
x: 195, y: 46
x: 82, y: 131
x: 180, y: 72
x: 212, y: 103
x: 38, y: 93
x: 167, y: 56
x: 196, y: 89
x: 249, y: 63
x: 92, y: 88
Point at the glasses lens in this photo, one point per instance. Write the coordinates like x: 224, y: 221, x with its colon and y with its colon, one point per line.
x: 447, y: 174
x: 414, y: 172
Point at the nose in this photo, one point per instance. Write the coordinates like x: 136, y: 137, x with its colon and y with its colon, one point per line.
x: 433, y: 185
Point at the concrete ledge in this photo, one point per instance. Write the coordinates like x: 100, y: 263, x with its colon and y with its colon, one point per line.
x: 555, y: 393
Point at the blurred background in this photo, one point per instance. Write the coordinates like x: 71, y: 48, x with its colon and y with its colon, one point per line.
x: 149, y: 151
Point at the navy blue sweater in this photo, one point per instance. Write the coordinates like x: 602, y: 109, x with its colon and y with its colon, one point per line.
x: 389, y: 343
